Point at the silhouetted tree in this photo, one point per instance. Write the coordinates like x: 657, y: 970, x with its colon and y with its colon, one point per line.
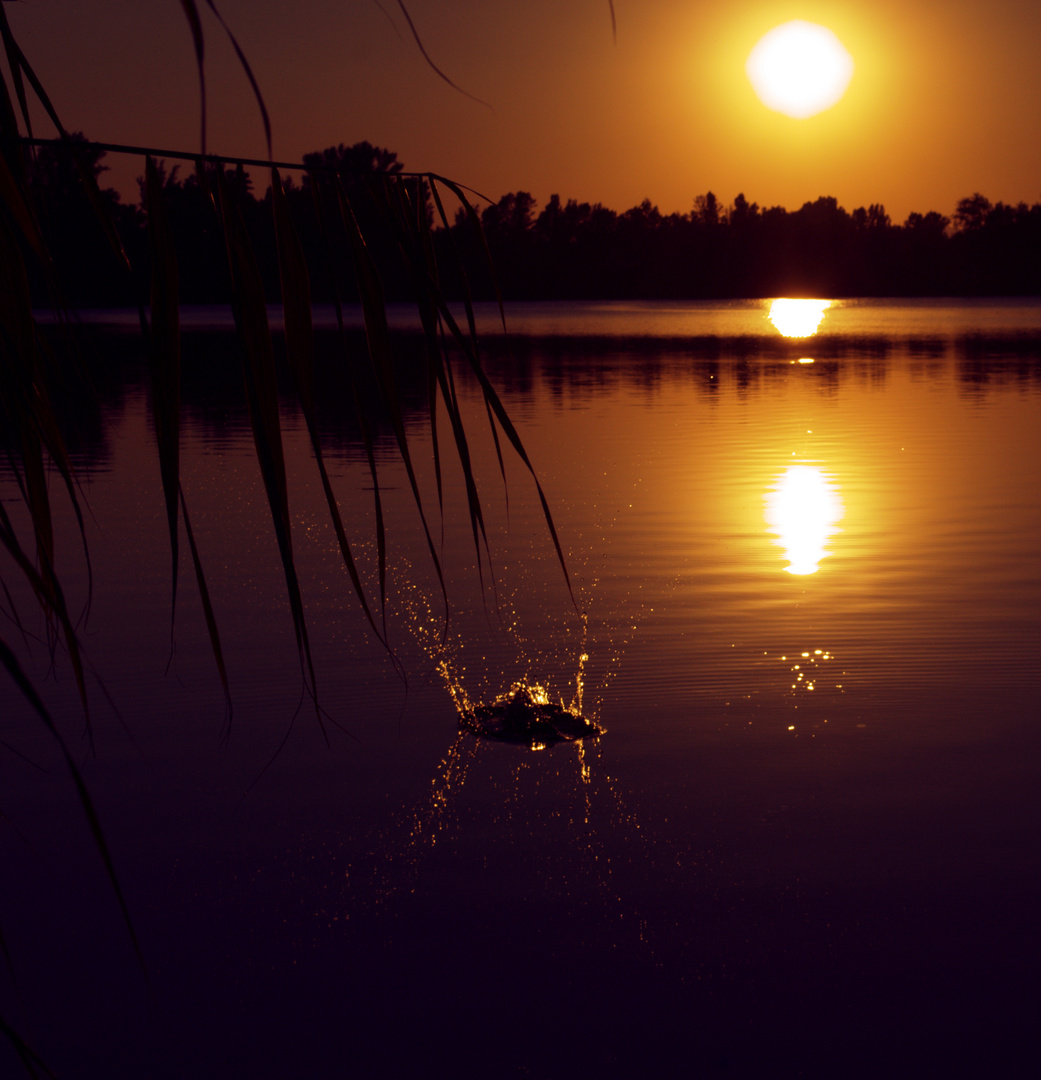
x: 971, y: 213
x: 89, y: 272
x: 707, y: 210
x: 568, y: 250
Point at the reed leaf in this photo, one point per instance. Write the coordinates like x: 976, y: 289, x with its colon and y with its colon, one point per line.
x: 296, y: 298
x: 471, y: 321
x: 11, y: 148
x: 491, y: 397
x: 296, y: 309
x: 37, y: 498
x: 435, y: 448
x: 468, y: 345
x: 246, y: 68
x: 474, y: 218
x: 515, y: 441
x: 19, y: 381
x: 47, y: 589
x: 258, y: 367
x: 428, y: 320
x: 11, y: 611
x: 361, y: 412
x: 207, y: 610
x: 46, y: 424
x: 426, y: 56
x: 14, y: 66
x: 499, y: 410
x: 377, y: 337
x: 419, y: 253
x: 165, y: 355
x: 191, y: 13
x: 23, y: 394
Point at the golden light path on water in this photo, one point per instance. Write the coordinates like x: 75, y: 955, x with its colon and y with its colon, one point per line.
x: 803, y: 508
x: 797, y: 318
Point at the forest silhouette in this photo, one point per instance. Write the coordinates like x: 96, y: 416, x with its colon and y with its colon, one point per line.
x: 564, y: 251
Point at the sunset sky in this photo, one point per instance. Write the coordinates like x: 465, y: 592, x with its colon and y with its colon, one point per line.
x: 945, y: 99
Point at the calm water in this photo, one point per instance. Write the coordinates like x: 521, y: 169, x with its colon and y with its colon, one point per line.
x: 807, y: 844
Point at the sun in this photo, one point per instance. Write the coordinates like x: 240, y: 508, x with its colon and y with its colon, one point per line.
x: 799, y: 69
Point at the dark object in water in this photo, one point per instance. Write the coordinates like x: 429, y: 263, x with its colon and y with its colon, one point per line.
x: 525, y: 715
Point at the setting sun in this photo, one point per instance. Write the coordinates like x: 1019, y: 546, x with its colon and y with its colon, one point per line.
x: 797, y: 318
x: 799, y: 69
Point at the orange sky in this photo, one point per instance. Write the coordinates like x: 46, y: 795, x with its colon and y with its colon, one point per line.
x: 945, y: 100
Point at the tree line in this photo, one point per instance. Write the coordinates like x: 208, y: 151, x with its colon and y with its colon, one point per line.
x: 564, y: 251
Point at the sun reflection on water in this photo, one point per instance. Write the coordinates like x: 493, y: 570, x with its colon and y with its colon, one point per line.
x: 803, y: 508
x: 797, y: 318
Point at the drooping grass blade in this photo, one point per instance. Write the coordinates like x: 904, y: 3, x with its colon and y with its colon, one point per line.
x: 51, y: 599
x: 377, y: 336
x: 46, y: 424
x: 165, y: 354
x: 489, y: 391
x: 296, y: 308
x: 474, y: 218
x: 468, y: 345
x: 14, y: 66
x: 22, y: 399
x: 36, y: 494
x: 426, y: 56
x: 411, y: 219
x: 362, y: 414
x: 494, y: 402
x: 258, y: 367
x: 471, y: 321
x: 207, y: 610
x: 191, y: 13
x: 19, y: 381
x: 249, y: 73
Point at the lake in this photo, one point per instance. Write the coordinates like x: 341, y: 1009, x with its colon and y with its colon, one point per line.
x: 806, y: 611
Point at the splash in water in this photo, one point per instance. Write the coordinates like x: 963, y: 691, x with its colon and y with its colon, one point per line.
x: 525, y: 714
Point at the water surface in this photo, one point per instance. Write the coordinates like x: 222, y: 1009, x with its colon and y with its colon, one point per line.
x: 806, y: 844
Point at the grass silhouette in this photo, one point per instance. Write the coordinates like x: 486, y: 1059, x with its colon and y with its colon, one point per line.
x: 31, y: 435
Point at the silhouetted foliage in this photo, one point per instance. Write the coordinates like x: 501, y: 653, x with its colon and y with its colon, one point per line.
x: 567, y: 250
x: 576, y: 251
x: 88, y: 271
